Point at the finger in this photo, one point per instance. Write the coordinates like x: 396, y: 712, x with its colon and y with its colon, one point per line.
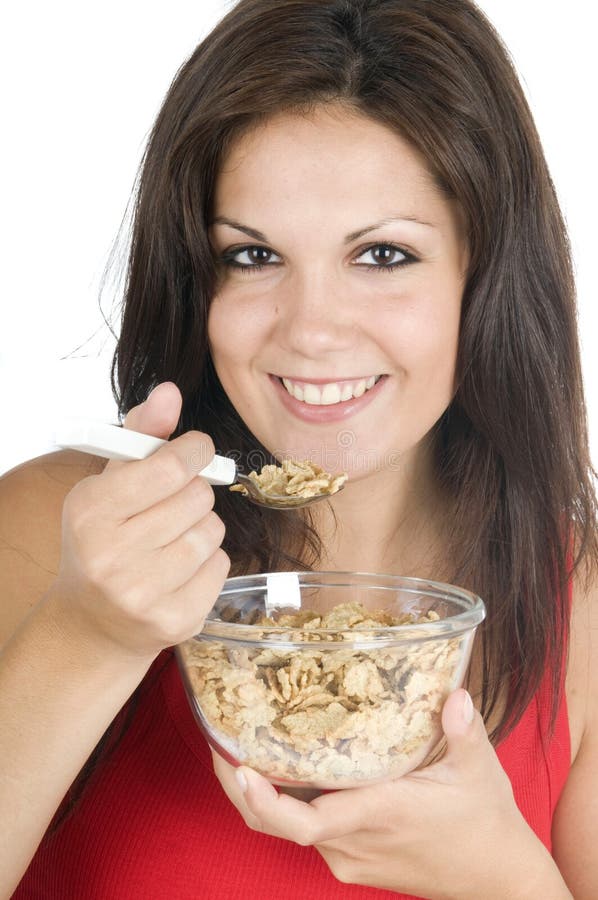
x: 183, y: 614
x: 466, y: 737
x: 184, y: 557
x: 137, y: 486
x: 276, y: 814
x: 168, y: 519
x: 226, y: 776
x: 197, y: 596
x: 326, y: 818
x: 157, y: 416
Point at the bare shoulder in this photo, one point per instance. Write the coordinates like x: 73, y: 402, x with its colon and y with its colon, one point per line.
x: 581, y: 688
x: 31, y: 500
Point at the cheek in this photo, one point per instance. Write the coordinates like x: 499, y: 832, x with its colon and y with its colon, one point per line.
x: 237, y: 327
x: 230, y: 335
x: 235, y: 339
x: 225, y: 343
x: 423, y: 340
x: 425, y: 330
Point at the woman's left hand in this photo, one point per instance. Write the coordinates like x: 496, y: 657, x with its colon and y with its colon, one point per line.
x: 450, y: 830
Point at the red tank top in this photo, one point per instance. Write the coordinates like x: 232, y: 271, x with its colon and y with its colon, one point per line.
x: 154, y: 823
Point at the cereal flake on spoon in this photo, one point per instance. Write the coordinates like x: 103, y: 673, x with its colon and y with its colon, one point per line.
x: 294, y: 478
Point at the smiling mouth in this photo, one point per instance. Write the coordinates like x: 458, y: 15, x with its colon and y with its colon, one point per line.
x: 329, y: 393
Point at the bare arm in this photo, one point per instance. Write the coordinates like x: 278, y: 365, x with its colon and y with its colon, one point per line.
x: 45, y: 669
x: 576, y: 818
x: 58, y: 694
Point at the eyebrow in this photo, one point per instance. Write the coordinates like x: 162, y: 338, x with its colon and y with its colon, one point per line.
x: 355, y: 235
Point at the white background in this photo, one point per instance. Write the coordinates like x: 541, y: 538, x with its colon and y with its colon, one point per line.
x: 82, y: 83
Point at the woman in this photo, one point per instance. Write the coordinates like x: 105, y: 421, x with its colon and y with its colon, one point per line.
x: 332, y: 192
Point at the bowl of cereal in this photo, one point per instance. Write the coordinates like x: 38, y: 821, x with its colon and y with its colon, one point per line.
x: 328, y: 679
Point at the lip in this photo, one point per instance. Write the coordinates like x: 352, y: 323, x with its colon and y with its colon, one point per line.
x: 335, y: 412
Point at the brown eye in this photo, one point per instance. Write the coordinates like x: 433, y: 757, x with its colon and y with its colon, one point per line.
x: 248, y: 257
x: 259, y: 254
x: 385, y: 254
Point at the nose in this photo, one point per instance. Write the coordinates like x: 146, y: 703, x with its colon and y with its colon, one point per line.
x: 315, y: 312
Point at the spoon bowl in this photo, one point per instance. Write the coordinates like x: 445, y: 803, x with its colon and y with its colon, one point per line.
x: 277, y: 501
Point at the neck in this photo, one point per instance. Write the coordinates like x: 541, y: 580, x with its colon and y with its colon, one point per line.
x: 387, y: 521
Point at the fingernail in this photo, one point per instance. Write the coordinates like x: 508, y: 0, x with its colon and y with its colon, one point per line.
x: 468, y: 710
x: 241, y: 780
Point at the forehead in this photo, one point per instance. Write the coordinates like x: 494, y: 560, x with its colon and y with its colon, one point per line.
x: 328, y: 147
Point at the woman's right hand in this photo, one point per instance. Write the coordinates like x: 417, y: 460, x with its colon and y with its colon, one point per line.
x: 141, y: 562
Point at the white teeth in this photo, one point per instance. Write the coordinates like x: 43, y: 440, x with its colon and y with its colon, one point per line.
x: 331, y: 394
x: 311, y: 394
x: 328, y: 394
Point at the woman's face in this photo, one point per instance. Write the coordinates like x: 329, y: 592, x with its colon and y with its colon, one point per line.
x: 341, y: 262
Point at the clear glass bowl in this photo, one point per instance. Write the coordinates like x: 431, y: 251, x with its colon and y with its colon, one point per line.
x: 336, y: 707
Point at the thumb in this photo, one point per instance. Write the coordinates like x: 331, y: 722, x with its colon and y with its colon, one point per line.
x: 464, y: 729
x: 159, y: 414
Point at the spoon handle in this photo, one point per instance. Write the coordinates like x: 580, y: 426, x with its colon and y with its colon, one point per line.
x: 113, y: 442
